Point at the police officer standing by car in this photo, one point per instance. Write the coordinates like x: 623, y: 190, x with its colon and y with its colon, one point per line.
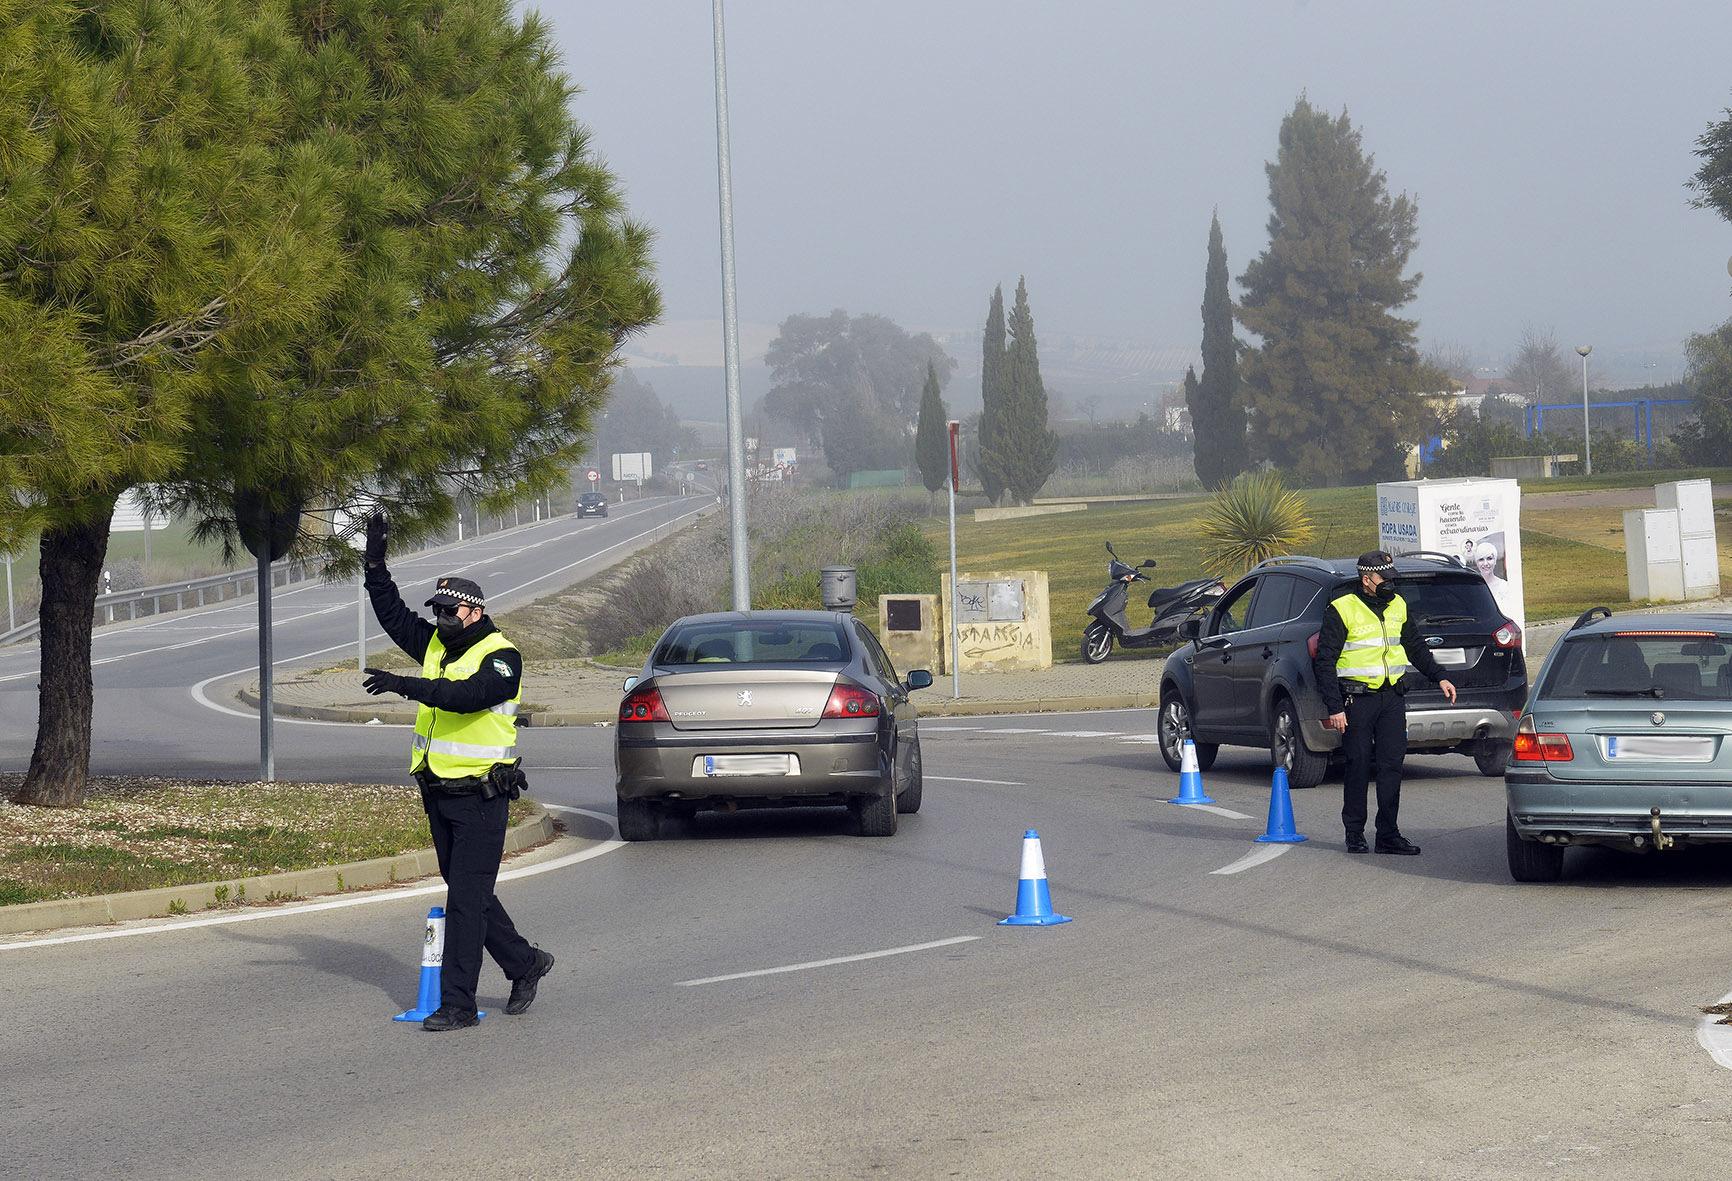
x: 1366, y: 647
x: 463, y: 757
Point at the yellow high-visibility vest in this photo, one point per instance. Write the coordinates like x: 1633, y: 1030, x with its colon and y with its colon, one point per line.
x: 1373, y: 654
x: 453, y: 745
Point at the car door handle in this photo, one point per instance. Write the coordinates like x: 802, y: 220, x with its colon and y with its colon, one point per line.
x: 1268, y: 652
x: 1226, y: 658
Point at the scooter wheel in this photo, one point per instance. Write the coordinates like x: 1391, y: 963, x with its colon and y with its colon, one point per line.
x: 1097, y: 645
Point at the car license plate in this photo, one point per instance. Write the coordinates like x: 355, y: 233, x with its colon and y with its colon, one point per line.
x: 1670, y: 748
x: 713, y: 765
x: 1451, y: 657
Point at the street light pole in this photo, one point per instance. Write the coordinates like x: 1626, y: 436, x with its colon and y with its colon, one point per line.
x: 1587, y: 429
x: 731, y: 333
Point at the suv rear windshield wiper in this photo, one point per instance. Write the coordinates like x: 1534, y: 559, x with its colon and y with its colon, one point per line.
x: 1428, y: 619
x: 1631, y: 691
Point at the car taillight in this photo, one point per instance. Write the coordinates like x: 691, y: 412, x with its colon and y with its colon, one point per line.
x: 1533, y: 747
x: 643, y: 705
x: 1508, y: 636
x: 851, y: 701
x: 1311, y: 644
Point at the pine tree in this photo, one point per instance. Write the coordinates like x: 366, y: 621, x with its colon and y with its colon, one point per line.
x: 932, y: 435
x: 1330, y: 390
x: 992, y: 393
x: 1024, y: 452
x: 1218, y: 411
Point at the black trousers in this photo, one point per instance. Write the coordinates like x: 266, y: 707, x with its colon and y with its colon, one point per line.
x: 1376, y: 740
x: 469, y: 837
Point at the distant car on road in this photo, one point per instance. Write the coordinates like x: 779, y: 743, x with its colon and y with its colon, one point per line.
x: 767, y: 709
x: 592, y: 504
x: 1627, y: 742
x: 1245, y: 678
x: 702, y: 466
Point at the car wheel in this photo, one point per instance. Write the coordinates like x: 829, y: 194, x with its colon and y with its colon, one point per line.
x: 1097, y: 643
x: 1492, y: 757
x: 1531, y: 861
x: 639, y: 820
x: 908, y: 799
x: 1305, y: 767
x: 876, y: 815
x: 1175, y: 727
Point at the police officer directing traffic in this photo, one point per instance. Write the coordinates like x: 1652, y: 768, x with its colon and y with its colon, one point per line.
x: 464, y: 758
x: 1366, y: 647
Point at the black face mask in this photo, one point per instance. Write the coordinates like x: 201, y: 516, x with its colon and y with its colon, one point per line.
x: 1385, y: 590
x: 448, y: 625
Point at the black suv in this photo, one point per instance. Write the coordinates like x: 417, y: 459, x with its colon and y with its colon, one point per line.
x: 592, y: 504
x: 1245, y: 677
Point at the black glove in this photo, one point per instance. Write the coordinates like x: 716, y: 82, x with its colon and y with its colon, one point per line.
x: 378, y: 529
x: 379, y: 681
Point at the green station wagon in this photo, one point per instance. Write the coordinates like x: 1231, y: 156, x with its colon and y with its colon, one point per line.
x: 1626, y: 741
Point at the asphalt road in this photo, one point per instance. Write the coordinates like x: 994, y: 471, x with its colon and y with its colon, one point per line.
x: 1315, y: 1015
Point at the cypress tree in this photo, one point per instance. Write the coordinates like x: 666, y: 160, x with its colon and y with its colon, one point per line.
x: 1218, y: 408
x: 992, y: 393
x: 1024, y: 452
x: 1330, y: 389
x: 931, y: 435
x: 1194, y: 403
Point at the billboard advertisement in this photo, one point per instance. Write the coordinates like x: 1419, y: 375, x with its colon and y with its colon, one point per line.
x: 1475, y: 520
x: 631, y: 465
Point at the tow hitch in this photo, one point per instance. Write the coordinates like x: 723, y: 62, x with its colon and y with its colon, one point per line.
x: 1662, y: 842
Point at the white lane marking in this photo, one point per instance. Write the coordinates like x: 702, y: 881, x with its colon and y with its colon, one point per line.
x: 508, y: 875
x: 1016, y: 730
x: 1714, y: 1037
x: 1253, y: 859
x: 1143, y: 738
x: 990, y: 782
x: 1219, y: 811
x: 198, y: 690
x: 925, y: 728
x: 342, y: 606
x: 841, y: 959
x: 1083, y: 733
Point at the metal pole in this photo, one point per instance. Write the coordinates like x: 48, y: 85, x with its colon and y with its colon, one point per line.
x: 11, y: 615
x: 950, y: 607
x: 267, y: 760
x: 731, y: 332
x: 1587, y: 429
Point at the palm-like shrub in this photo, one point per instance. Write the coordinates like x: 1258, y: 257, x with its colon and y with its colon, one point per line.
x: 1253, y: 518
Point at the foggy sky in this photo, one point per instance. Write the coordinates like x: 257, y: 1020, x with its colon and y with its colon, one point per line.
x: 902, y: 157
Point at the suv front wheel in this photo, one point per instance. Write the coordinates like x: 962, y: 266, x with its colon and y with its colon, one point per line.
x: 1305, y: 767
x: 1175, y: 727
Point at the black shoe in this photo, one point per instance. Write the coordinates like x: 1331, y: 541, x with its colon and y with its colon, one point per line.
x: 1356, y: 843
x: 523, y: 988
x: 445, y: 1017
x: 1397, y: 844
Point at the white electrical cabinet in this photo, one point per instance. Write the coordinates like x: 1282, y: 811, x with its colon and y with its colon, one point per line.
x: 1699, y: 547
x: 1654, y: 554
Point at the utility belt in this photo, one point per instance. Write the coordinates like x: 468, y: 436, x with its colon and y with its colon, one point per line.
x: 1361, y: 689
x: 502, y: 779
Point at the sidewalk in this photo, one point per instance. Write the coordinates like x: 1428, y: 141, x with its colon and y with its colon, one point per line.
x: 580, y: 693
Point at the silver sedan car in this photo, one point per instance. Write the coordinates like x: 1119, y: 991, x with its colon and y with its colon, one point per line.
x: 767, y: 709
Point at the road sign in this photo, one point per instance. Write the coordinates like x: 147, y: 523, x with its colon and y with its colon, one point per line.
x: 592, y: 475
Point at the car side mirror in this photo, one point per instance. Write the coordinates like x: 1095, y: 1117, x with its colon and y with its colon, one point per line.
x: 630, y: 684
x: 919, y: 679
x: 1190, y: 629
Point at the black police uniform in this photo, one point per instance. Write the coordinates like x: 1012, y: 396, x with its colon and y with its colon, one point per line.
x: 1376, y: 737
x: 468, y: 817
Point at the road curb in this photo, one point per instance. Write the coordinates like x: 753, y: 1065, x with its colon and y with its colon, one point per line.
x: 300, y: 883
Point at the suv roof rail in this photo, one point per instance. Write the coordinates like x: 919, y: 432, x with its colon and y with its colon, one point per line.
x: 1296, y: 560
x: 1590, y: 615
x: 1435, y: 556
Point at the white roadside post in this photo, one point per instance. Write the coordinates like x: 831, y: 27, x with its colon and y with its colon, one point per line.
x: 11, y: 616
x: 950, y: 608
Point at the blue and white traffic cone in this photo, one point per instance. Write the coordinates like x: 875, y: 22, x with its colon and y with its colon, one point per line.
x: 432, y: 956
x: 1190, y: 779
x: 1033, y: 898
x: 1281, y: 830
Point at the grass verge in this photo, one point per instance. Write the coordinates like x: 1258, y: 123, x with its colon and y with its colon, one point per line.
x: 141, y: 834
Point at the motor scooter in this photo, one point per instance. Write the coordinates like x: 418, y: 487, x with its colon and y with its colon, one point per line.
x: 1171, y: 604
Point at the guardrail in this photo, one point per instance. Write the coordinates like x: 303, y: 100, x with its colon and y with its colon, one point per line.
x: 146, y: 601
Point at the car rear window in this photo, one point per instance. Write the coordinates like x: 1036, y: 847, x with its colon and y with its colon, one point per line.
x: 1676, y: 667
x: 1444, y: 600
x: 744, y: 642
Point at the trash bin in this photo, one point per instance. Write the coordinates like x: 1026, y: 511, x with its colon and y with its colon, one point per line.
x: 836, y: 586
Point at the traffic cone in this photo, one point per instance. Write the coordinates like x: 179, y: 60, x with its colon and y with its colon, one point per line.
x: 1190, y: 779
x: 432, y: 955
x: 1281, y: 830
x: 1033, y: 898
